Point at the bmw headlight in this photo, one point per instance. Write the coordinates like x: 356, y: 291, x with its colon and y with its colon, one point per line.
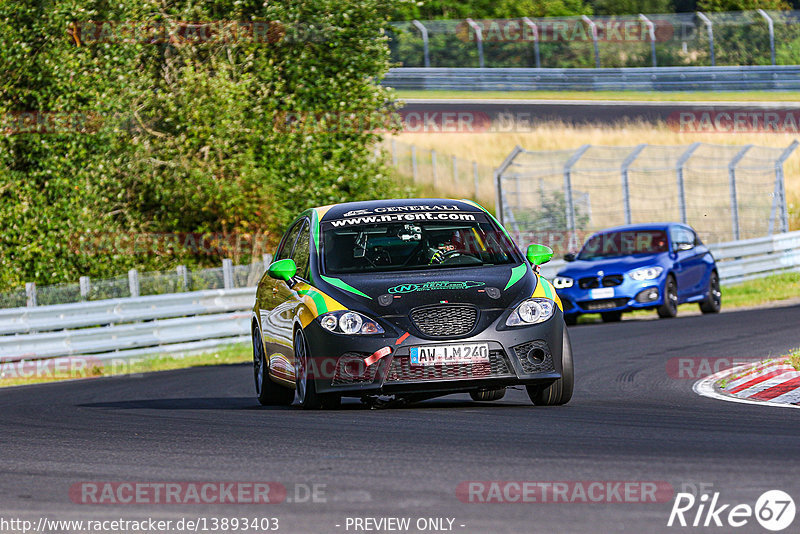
x: 648, y: 273
x: 561, y: 282
x: 532, y: 311
x: 349, y: 322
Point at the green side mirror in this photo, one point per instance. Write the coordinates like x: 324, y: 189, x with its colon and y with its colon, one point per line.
x: 539, y: 254
x: 283, y: 269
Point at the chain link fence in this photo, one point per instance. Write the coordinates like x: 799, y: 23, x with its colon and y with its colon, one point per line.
x: 680, y: 39
x: 726, y: 192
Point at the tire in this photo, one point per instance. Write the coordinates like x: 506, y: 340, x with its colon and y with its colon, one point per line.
x: 713, y: 301
x: 560, y: 391
x: 611, y: 317
x: 571, y: 320
x: 488, y: 394
x: 306, y: 391
x: 268, y: 392
x: 670, y: 307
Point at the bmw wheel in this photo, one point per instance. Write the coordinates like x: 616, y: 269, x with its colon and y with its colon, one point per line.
x: 306, y: 391
x: 269, y: 393
x: 670, y: 306
x: 713, y: 301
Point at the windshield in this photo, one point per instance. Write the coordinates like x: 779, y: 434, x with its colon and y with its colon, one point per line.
x: 618, y: 244
x: 359, y: 245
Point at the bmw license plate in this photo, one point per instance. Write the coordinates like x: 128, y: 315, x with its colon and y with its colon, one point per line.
x: 450, y: 354
x: 602, y: 293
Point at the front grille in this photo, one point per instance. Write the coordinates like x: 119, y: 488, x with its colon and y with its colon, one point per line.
x: 445, y: 321
x: 603, y: 304
x: 531, y: 364
x: 588, y: 283
x: 612, y: 280
x: 402, y: 371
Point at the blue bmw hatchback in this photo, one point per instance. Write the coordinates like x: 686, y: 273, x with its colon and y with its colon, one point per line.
x: 633, y: 267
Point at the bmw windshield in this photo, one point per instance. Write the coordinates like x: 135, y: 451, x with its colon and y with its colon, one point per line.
x: 624, y: 243
x: 408, y: 241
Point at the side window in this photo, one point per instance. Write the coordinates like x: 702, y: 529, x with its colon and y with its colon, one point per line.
x: 682, y: 239
x: 301, y: 252
x: 287, y: 244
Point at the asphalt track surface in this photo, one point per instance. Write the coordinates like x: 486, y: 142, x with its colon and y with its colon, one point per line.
x: 578, y: 112
x: 628, y: 421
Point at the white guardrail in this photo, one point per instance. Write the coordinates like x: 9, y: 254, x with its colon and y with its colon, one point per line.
x: 181, y: 322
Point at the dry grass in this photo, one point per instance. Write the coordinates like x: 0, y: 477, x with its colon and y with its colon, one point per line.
x: 491, y: 148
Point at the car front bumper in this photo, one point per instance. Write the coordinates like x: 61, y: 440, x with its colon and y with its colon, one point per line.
x: 630, y: 295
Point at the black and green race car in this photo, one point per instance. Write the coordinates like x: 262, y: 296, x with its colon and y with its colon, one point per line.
x: 409, y: 299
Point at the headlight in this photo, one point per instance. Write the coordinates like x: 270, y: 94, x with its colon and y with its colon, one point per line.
x: 349, y: 322
x: 648, y: 273
x: 532, y: 311
x: 560, y: 282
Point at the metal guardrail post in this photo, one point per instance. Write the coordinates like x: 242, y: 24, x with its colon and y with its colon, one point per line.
x: 30, y: 294
x: 133, y: 282
x: 532, y: 25
x: 425, y: 50
x: 679, y: 174
x: 227, y: 273
x: 479, y: 38
x: 433, y: 168
x: 414, y: 163
x: 85, y: 287
x: 710, y: 27
x: 593, y: 28
x: 734, y: 199
x: 573, y: 159
x: 651, y: 29
x: 626, y: 192
x: 771, y: 25
x: 498, y: 185
x: 475, y: 177
x: 183, y: 276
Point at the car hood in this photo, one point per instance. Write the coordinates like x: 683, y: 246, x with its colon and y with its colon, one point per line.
x: 395, y: 293
x: 621, y: 265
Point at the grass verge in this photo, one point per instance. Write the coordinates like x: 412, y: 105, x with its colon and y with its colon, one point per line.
x: 85, y: 367
x: 677, y: 96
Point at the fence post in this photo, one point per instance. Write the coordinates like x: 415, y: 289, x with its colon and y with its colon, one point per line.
x: 780, y: 190
x: 651, y: 29
x: 85, y: 286
x: 626, y: 192
x: 414, y: 163
x: 535, y: 29
x: 475, y: 178
x: 394, y: 153
x: 710, y: 27
x: 679, y: 174
x: 455, y: 170
x: 479, y: 38
x: 30, y: 294
x: 424, y: 31
x: 433, y: 167
x: 732, y: 182
x: 227, y: 273
x: 771, y: 25
x: 133, y: 282
x: 593, y: 28
x: 183, y: 275
x: 497, y: 178
x: 573, y: 159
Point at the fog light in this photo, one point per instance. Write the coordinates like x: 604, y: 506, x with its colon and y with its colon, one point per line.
x: 647, y: 295
x: 535, y: 355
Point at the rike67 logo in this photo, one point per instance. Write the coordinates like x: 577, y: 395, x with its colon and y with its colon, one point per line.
x: 774, y: 510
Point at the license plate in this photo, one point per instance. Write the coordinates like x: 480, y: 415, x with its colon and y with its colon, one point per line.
x: 450, y: 354
x: 602, y: 293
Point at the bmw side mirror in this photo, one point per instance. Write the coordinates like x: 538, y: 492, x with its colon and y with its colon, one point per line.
x: 569, y: 256
x: 282, y: 269
x: 539, y: 254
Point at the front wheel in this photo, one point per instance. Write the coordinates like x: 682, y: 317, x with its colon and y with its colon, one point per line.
x: 560, y: 391
x: 713, y: 301
x: 306, y: 390
x: 670, y: 306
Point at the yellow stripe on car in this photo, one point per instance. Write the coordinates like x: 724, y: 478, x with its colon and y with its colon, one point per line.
x: 545, y: 289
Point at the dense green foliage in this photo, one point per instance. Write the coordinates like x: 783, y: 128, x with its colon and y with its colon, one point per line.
x: 183, y: 135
